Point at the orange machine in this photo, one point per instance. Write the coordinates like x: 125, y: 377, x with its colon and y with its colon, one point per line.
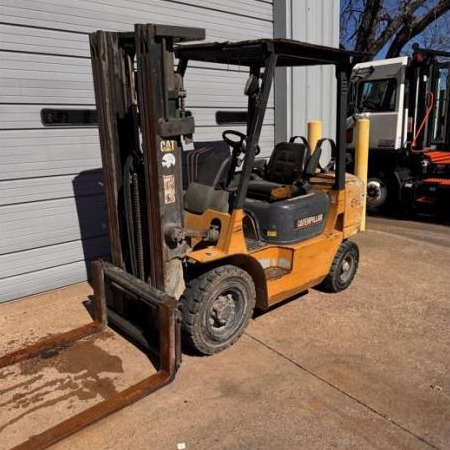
x: 224, y: 235
x: 221, y: 232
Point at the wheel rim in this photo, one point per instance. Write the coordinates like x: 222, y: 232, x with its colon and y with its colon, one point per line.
x: 225, y: 314
x: 346, y: 269
x: 375, y: 192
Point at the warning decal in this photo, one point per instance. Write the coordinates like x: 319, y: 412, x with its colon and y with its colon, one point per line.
x: 169, y: 189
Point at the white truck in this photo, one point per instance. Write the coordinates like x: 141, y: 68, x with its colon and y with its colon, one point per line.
x: 407, y: 100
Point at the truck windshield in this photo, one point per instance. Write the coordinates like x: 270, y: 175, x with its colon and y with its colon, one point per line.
x: 377, y: 95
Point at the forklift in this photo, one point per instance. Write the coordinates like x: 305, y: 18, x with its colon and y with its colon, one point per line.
x: 200, y: 238
x: 211, y: 227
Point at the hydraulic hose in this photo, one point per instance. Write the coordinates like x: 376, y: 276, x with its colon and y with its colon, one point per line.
x: 430, y: 102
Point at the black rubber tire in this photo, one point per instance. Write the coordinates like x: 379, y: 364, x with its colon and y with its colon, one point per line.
x: 347, y: 257
x: 377, y: 194
x: 217, y: 306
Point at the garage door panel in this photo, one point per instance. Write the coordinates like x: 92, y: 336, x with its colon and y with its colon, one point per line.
x: 32, y: 225
x: 207, y: 116
x: 216, y: 87
x: 47, y: 152
x: 55, y: 187
x: 64, y: 80
x: 86, y: 16
x: 43, y: 280
x: 75, y: 46
x: 48, y: 136
x: 37, y: 40
x: 37, y: 66
x: 259, y: 9
x: 39, y: 259
x: 63, y: 43
x: 45, y: 79
x: 42, y: 169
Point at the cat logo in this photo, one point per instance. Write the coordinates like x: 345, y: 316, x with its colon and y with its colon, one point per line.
x: 168, y: 146
x: 309, y: 221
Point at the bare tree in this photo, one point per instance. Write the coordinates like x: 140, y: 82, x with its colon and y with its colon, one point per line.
x: 372, y: 25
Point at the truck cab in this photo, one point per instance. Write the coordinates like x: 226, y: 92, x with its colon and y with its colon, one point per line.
x: 407, y: 100
x: 378, y: 93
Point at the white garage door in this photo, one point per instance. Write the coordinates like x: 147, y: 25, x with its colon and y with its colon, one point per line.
x: 52, y: 216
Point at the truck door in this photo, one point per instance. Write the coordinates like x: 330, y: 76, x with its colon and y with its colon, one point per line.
x: 380, y: 97
x: 440, y: 122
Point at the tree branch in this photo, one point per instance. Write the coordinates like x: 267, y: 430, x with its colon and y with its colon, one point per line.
x: 409, y: 30
x: 371, y: 11
x: 402, y: 18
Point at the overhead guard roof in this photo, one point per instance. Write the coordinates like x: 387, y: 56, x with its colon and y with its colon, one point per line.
x: 256, y: 52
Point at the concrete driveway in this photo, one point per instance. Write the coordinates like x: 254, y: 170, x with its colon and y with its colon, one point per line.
x: 368, y: 368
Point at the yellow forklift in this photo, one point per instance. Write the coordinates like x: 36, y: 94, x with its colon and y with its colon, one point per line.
x: 200, y: 238
x: 209, y: 226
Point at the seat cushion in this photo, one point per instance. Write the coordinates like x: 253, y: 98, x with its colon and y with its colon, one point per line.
x: 271, y: 192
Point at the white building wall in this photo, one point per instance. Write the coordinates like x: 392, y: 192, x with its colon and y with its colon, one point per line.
x: 303, y: 94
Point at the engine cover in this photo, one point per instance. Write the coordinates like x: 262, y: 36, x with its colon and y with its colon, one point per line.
x: 289, y: 221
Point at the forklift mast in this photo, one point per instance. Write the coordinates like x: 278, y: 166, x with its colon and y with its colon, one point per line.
x: 141, y: 115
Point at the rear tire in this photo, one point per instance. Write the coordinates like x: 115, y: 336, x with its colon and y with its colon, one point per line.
x: 377, y: 194
x: 343, y: 269
x: 217, y: 306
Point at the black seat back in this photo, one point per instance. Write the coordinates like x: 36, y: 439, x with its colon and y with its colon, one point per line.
x: 287, y: 162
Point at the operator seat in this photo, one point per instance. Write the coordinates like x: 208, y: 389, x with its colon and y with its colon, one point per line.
x: 283, y: 208
x: 286, y: 173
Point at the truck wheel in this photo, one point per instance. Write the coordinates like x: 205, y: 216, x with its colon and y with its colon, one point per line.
x: 343, y: 268
x: 217, y: 305
x: 377, y: 194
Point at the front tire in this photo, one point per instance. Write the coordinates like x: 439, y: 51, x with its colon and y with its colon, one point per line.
x: 217, y: 306
x: 343, y: 269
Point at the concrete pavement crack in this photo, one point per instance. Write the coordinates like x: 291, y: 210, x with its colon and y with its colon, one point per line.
x: 351, y: 397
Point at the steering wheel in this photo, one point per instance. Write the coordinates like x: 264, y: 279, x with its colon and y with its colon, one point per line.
x: 370, y: 104
x: 233, y: 143
x: 237, y: 144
